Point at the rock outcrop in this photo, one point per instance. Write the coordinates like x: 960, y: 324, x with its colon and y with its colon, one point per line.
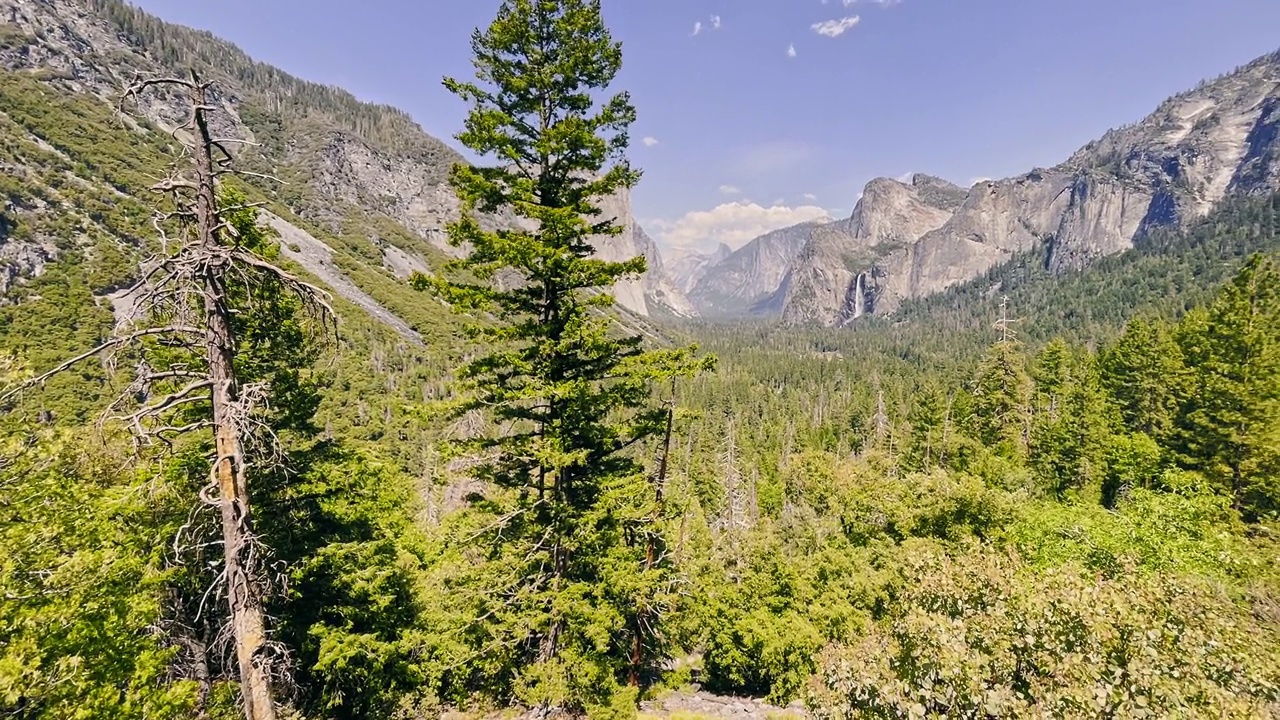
x: 654, y: 293
x: 744, y: 282
x: 841, y: 272
x: 1220, y: 139
x: 687, y: 266
x: 367, y: 173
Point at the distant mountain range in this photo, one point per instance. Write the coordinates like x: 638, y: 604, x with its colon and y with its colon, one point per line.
x: 914, y: 239
x: 366, y: 186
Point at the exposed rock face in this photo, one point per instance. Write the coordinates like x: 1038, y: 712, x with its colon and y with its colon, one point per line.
x: 654, y: 293
x: 687, y: 266
x: 22, y: 259
x: 413, y: 193
x: 740, y: 283
x: 343, y: 159
x: 843, y: 271
x: 303, y: 248
x: 1176, y: 165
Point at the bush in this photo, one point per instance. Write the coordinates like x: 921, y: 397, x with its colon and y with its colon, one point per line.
x: 940, y: 505
x: 1188, y: 531
x: 988, y: 636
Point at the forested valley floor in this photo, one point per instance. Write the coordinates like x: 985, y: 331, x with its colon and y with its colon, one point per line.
x: 1033, y: 495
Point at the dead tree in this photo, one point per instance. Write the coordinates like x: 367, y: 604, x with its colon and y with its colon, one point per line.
x: 655, y: 551
x: 186, y: 295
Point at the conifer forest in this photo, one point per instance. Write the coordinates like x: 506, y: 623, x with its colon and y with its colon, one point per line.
x: 251, y: 468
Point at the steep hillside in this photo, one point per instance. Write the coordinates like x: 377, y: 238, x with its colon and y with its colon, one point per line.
x: 365, y: 176
x: 1217, y: 141
x: 750, y: 276
x: 687, y: 266
x: 655, y: 293
x: 834, y: 277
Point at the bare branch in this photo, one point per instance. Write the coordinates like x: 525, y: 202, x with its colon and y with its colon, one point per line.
x: 167, y: 402
x: 108, y: 345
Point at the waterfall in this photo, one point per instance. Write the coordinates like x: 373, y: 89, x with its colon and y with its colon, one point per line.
x: 860, y: 296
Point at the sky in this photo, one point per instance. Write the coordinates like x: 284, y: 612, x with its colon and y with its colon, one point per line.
x: 758, y: 114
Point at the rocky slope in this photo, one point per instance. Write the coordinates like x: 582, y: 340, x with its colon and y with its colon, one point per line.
x: 831, y: 280
x: 741, y: 282
x: 367, y: 175
x: 687, y: 266
x: 1218, y: 140
x: 655, y: 293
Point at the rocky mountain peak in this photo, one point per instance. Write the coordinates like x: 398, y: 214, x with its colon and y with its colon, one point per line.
x: 907, y: 240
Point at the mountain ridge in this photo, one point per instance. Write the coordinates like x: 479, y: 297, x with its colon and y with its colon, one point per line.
x: 1171, y: 167
x: 914, y: 239
x: 366, y: 173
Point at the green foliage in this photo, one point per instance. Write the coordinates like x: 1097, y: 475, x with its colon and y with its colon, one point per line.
x: 82, y: 586
x: 346, y: 526
x: 984, y: 636
x: 1070, y: 426
x: 1144, y: 374
x: 1189, y: 531
x: 572, y: 569
x: 1002, y: 400
x: 1229, y: 424
x: 847, y: 488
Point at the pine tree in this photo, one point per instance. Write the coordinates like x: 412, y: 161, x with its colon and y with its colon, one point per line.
x: 1069, y: 427
x: 574, y: 543
x: 1229, y: 425
x: 928, y: 418
x: 1002, y: 395
x: 1143, y: 373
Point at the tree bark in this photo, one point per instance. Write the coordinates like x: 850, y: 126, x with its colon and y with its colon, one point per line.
x: 243, y: 598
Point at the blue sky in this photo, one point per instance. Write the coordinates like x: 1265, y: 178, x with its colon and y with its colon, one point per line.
x: 778, y: 110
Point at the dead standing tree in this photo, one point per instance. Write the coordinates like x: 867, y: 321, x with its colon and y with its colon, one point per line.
x: 190, y: 293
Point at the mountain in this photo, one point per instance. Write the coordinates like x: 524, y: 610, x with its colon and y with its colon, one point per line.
x: 655, y: 293
x: 687, y: 266
x: 1220, y: 140
x: 751, y: 275
x: 365, y: 197
x: 829, y: 282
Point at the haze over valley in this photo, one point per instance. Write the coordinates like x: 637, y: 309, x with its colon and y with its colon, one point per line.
x: 675, y: 360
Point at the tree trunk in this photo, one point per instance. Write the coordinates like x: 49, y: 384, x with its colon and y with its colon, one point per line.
x: 242, y: 596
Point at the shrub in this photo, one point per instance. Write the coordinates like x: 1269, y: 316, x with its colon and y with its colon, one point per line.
x: 988, y: 636
x: 1187, y: 531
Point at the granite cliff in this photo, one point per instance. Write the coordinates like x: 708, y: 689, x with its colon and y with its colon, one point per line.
x: 1221, y: 139
x: 744, y: 281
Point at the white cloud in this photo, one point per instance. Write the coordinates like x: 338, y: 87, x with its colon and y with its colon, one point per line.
x: 715, y: 22
x: 734, y: 223
x: 835, y: 28
x: 791, y: 50
x: 697, y: 27
x: 730, y: 190
x: 810, y: 197
x: 979, y: 179
x: 650, y: 141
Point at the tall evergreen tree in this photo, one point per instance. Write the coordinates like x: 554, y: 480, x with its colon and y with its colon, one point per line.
x: 1143, y: 373
x: 1002, y: 395
x: 1069, y: 426
x: 1229, y: 427
x: 575, y: 547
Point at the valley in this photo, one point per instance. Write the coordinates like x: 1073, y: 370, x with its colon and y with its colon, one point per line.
x: 1005, y: 450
